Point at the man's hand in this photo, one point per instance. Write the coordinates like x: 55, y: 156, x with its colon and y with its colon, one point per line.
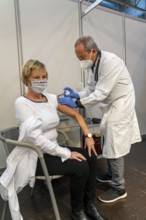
x: 69, y: 92
x: 67, y: 101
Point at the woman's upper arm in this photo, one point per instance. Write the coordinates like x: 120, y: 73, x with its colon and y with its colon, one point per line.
x: 67, y: 110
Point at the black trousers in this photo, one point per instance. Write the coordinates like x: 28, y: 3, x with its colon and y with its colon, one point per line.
x: 83, y: 176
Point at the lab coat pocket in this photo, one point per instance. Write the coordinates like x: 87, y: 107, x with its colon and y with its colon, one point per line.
x: 117, y: 139
x: 105, y: 115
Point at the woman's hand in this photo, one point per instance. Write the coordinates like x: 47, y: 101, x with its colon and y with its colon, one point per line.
x: 89, y: 143
x: 77, y: 156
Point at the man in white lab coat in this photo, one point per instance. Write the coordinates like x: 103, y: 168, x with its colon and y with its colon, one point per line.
x: 108, y: 84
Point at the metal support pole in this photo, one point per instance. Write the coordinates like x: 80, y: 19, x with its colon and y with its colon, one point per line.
x: 91, y: 7
x: 19, y: 42
x: 80, y: 18
x: 124, y: 37
x: 81, y: 32
x: 81, y: 111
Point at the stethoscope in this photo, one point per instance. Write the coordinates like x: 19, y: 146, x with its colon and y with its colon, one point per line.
x: 97, y: 66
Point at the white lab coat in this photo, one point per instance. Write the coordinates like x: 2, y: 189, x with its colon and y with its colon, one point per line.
x: 114, y: 92
x: 21, y: 163
x: 21, y: 167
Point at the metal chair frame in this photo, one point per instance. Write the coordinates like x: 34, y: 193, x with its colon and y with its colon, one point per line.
x: 66, y: 142
x: 6, y: 141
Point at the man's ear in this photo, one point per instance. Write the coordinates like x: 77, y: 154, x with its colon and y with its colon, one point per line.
x: 94, y: 51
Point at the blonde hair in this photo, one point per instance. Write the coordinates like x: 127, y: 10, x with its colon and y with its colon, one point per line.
x: 29, y: 66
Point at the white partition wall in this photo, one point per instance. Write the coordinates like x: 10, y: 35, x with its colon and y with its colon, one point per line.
x: 49, y: 30
x: 106, y: 28
x: 136, y: 62
x: 9, y: 74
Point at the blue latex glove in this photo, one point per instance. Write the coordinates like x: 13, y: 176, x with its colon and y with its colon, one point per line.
x: 69, y: 92
x: 67, y: 101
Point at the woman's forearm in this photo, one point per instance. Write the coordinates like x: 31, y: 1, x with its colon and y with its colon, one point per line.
x: 75, y: 115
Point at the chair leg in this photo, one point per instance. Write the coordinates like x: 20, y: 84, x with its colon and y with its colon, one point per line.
x: 50, y: 188
x: 3, y: 216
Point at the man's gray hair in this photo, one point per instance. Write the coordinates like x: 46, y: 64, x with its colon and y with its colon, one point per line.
x: 88, y: 43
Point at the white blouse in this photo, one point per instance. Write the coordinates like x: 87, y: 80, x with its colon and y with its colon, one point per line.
x: 44, y: 121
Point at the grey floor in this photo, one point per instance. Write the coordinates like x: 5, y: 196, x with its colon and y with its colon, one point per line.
x: 131, y: 208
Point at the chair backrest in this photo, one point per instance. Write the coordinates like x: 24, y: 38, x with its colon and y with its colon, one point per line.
x: 10, y: 133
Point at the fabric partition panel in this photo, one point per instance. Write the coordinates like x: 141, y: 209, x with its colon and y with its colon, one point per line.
x: 106, y: 29
x: 136, y: 62
x: 49, y: 31
x: 9, y: 74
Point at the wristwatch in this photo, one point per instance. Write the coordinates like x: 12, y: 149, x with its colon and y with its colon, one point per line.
x: 89, y: 135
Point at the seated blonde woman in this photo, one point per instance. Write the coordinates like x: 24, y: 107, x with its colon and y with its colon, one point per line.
x: 37, y: 118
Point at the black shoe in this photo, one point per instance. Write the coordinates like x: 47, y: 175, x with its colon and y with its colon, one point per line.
x: 79, y: 215
x: 106, y: 178
x: 112, y: 195
x: 92, y: 212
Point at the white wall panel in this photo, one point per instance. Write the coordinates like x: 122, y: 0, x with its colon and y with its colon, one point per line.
x: 9, y: 74
x: 106, y: 28
x: 49, y: 30
x: 136, y: 62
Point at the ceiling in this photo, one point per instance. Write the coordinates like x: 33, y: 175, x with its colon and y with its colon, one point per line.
x: 134, y: 4
x: 135, y: 8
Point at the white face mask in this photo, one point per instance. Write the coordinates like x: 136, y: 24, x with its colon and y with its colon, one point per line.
x: 86, y: 64
x: 38, y: 86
